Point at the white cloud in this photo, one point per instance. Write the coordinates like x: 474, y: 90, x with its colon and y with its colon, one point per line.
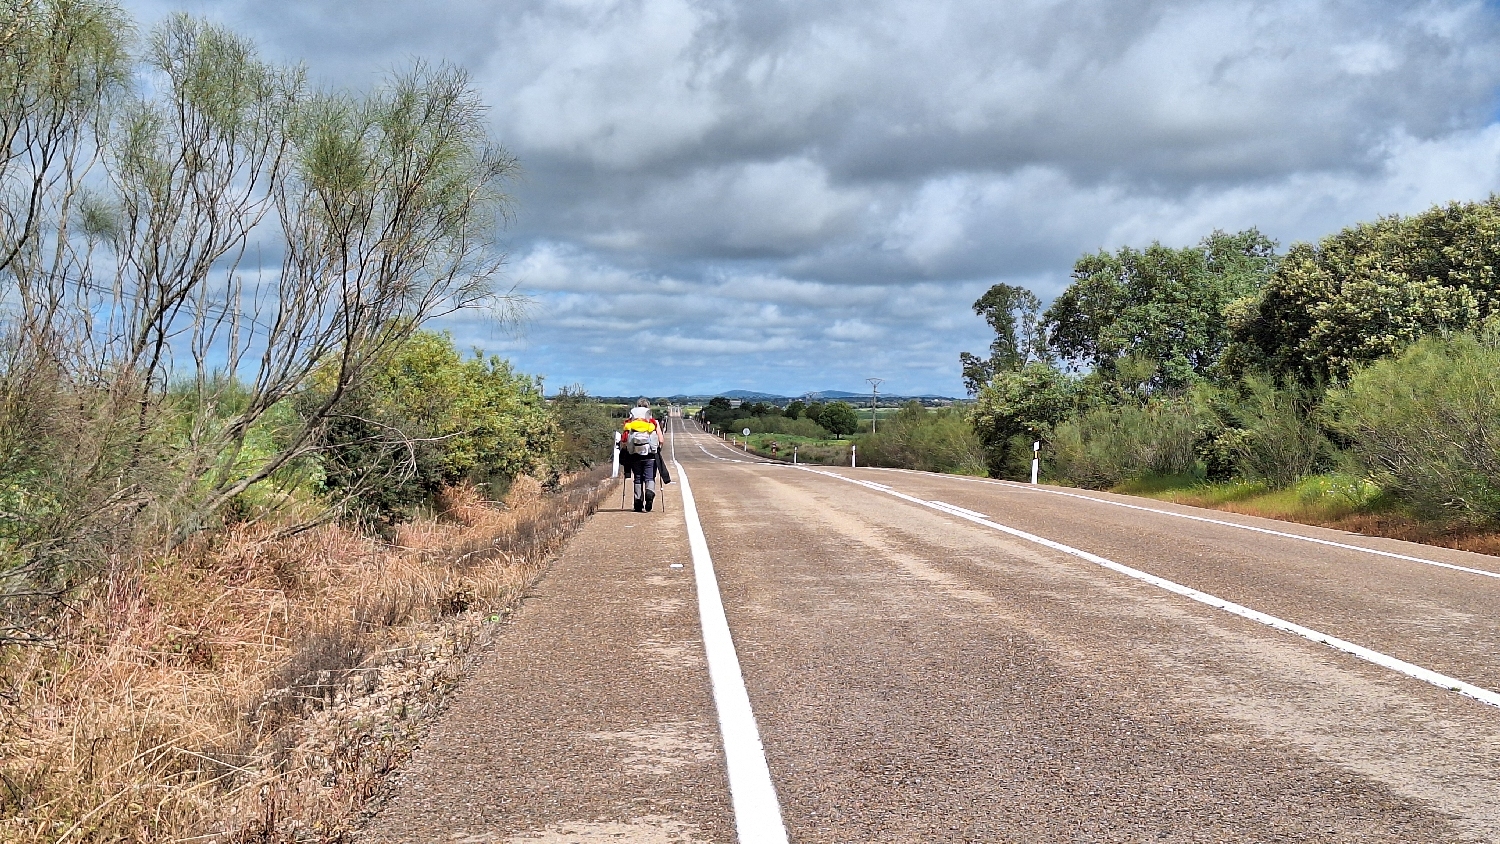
x: 792, y: 196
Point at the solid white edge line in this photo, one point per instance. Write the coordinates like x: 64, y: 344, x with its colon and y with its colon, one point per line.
x: 1328, y: 542
x: 1417, y: 672
x: 757, y: 814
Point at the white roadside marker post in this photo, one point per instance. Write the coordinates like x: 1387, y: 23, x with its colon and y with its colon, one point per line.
x: 1036, y: 458
x: 794, y: 455
x: 853, y: 456
x: 614, y: 471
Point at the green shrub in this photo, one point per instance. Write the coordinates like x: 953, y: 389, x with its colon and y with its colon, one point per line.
x: 1426, y: 426
x: 778, y: 425
x: 1107, y: 445
x: 936, y: 441
x: 1020, y: 406
x: 1279, y: 440
x: 585, y: 430
x: 428, y: 419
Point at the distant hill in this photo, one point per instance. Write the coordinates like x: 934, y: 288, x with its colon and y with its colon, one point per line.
x: 816, y: 396
x: 750, y: 394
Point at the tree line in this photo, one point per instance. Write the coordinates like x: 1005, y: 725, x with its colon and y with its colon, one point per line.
x: 1371, y: 352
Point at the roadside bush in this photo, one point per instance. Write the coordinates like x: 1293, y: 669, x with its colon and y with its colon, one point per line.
x: 584, y: 430
x: 1020, y: 405
x: 779, y: 425
x: 1108, y: 445
x: 936, y: 441
x: 1426, y: 425
x: 430, y: 419
x: 1280, y: 440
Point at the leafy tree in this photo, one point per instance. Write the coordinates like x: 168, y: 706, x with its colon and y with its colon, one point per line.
x: 795, y: 409
x: 814, y: 412
x: 1161, y: 308
x: 1022, y: 405
x: 839, y: 418
x: 1012, y: 312
x: 718, y: 413
x: 1371, y: 289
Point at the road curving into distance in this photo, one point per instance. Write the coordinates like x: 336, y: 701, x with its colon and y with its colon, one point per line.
x: 936, y: 658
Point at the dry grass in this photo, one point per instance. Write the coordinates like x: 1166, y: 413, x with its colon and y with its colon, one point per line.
x: 249, y: 690
x: 1368, y: 517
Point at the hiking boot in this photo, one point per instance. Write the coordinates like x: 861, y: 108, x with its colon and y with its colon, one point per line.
x: 639, y: 507
x: 650, y: 499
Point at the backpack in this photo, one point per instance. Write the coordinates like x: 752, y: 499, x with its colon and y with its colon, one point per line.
x: 642, y: 442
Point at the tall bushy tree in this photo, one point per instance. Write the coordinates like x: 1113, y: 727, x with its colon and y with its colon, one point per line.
x: 1012, y: 312
x: 1371, y: 289
x: 1159, y: 307
x: 839, y: 418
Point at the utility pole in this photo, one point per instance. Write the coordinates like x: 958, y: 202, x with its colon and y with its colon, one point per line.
x: 874, y: 399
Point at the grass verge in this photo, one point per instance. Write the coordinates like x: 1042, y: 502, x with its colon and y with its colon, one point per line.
x: 1334, y: 500
x: 780, y: 446
x: 258, y: 689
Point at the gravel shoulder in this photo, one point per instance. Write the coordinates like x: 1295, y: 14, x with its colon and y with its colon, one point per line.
x: 590, y: 719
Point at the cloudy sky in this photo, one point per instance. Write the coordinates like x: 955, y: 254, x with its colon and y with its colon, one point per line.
x: 790, y: 195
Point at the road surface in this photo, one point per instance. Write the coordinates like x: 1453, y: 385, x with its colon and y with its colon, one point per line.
x: 933, y: 658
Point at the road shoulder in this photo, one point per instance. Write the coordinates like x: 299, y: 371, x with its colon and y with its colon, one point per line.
x: 590, y: 719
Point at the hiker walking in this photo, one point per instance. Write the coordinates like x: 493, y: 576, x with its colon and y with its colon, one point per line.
x: 641, y: 442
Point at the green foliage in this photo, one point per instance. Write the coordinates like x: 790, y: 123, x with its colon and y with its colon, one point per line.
x: 776, y: 424
x: 1019, y: 406
x: 795, y: 409
x: 1160, y: 307
x: 584, y: 430
x: 432, y: 418
x: 931, y: 441
x: 839, y: 418
x: 1012, y: 312
x: 719, y: 414
x: 1426, y: 425
x: 1370, y: 290
x: 1278, y: 438
x: 1108, y: 445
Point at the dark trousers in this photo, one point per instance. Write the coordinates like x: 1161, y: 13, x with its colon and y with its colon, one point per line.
x: 643, y: 471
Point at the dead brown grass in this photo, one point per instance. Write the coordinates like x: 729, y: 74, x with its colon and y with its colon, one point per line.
x: 247, y: 689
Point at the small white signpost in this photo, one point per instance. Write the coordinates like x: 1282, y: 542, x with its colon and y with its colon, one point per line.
x: 614, y: 472
x: 1036, y: 456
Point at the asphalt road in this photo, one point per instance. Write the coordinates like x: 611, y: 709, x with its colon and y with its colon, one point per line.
x: 931, y: 658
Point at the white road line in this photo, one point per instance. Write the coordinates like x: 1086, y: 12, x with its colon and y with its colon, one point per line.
x: 1328, y: 542
x: 757, y: 815
x: 715, y: 456
x: 954, y: 508
x: 1417, y: 672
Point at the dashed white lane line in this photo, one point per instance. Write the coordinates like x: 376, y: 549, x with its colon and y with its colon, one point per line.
x: 1417, y: 672
x: 757, y: 814
x: 1328, y: 542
